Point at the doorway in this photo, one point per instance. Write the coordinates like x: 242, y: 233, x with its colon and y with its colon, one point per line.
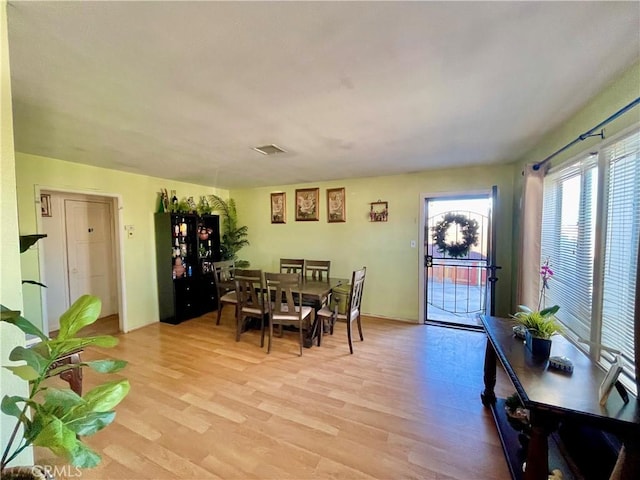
x: 80, y: 257
x: 457, y: 259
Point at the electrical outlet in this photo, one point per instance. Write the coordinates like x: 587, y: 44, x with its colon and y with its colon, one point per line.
x: 129, y: 229
x: 413, y: 244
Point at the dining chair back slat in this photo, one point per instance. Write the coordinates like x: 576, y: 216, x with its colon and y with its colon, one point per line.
x: 352, y: 313
x: 284, y: 291
x: 317, y: 270
x: 223, y: 273
x: 249, y: 292
x: 291, y: 265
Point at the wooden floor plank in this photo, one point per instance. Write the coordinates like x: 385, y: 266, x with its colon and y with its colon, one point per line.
x: 404, y: 405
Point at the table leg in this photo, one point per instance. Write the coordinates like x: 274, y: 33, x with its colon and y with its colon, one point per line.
x: 538, y: 453
x: 488, y: 396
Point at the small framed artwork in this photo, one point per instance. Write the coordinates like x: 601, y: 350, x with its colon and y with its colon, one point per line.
x: 45, y: 204
x: 379, y: 211
x: 279, y: 207
x: 307, y: 205
x: 336, y: 209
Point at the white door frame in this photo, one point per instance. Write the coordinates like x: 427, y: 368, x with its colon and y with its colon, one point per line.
x: 421, y: 238
x: 118, y: 228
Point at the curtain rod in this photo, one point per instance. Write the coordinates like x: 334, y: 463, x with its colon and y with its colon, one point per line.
x: 589, y: 133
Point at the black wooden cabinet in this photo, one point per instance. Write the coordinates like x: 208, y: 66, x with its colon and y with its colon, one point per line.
x: 186, y: 247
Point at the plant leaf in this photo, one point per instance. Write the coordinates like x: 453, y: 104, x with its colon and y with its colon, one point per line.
x: 33, y: 358
x: 58, y: 402
x: 84, y: 311
x: 56, y: 436
x: 33, y: 282
x: 91, y: 423
x: 25, y: 372
x: 10, y: 406
x: 106, y: 366
x: 101, y: 366
x: 550, y: 310
x: 27, y: 240
x: 71, y: 344
x: 105, y: 397
x: 83, y: 457
x: 25, y: 325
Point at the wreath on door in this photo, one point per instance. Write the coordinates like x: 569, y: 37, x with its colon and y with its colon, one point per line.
x: 468, y: 228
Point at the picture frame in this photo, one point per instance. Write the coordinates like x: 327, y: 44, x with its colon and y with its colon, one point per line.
x: 45, y: 204
x: 336, y: 205
x: 610, y: 379
x: 279, y: 207
x: 307, y: 204
x: 379, y: 211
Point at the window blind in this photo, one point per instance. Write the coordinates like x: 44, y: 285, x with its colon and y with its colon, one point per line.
x: 568, y: 237
x: 622, y: 239
x: 568, y: 241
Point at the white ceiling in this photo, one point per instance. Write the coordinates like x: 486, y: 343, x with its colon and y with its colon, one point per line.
x: 184, y: 90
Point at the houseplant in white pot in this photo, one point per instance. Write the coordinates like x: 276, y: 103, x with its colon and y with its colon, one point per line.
x: 55, y: 418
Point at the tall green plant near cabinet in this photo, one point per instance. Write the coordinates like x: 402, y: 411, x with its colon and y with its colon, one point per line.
x: 234, y: 236
x: 186, y: 246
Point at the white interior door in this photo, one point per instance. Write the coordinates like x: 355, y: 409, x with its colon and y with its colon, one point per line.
x: 90, y: 252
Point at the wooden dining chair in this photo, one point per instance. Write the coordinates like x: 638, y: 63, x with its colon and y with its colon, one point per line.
x: 317, y: 270
x: 352, y: 313
x: 250, y: 295
x: 223, y: 273
x: 285, y: 305
x: 291, y: 265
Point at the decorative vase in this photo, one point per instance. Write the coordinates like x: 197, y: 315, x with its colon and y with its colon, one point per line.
x: 540, y: 347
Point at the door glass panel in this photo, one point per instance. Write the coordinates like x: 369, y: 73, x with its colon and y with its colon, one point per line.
x: 456, y: 277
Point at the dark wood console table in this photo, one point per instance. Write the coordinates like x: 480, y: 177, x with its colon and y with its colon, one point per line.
x: 550, y: 396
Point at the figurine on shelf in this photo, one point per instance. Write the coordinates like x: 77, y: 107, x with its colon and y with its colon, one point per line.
x: 164, y: 200
x: 174, y: 201
x: 192, y: 205
x: 178, y: 268
x: 204, y: 232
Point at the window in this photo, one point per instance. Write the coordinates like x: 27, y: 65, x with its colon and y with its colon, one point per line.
x: 595, y: 256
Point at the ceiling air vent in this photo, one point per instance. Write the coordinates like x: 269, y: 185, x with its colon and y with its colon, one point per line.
x: 269, y: 149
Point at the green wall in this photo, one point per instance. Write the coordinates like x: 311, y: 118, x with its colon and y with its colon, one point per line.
x: 393, y: 267
x: 139, y: 196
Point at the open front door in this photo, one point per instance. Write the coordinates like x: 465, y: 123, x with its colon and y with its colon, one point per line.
x: 458, y: 254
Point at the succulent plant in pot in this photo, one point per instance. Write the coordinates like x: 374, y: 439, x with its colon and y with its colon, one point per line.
x: 56, y: 418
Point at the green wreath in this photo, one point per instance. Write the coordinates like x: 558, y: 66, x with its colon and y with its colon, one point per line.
x: 469, y: 229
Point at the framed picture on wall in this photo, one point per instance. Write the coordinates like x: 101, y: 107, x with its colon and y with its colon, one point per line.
x: 307, y: 205
x: 45, y: 204
x: 279, y: 207
x: 336, y: 211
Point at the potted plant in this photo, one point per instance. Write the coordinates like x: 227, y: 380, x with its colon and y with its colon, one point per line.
x: 234, y: 237
x: 540, y: 326
x: 57, y: 418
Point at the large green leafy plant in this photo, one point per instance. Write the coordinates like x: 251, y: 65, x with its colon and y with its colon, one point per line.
x: 234, y: 236
x: 57, y: 418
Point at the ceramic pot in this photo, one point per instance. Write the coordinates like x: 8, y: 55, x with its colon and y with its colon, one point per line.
x: 540, y: 348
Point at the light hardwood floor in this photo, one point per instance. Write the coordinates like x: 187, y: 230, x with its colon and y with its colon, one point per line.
x: 405, y: 406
